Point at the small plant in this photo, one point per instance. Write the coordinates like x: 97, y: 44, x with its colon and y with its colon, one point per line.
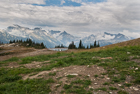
x: 122, y: 92
x: 50, y: 80
x: 127, y: 84
x: 106, y: 83
x: 67, y: 86
x: 103, y: 73
x: 71, y: 76
x: 52, y: 74
x: 11, y: 78
x: 95, y: 76
x: 103, y: 89
x: 115, y: 79
x: 113, y: 88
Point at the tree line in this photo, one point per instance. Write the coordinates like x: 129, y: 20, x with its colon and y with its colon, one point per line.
x: 81, y: 46
x: 1, y: 43
x: 29, y: 43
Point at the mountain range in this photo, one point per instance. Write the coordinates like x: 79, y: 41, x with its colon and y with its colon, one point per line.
x: 37, y: 35
x: 103, y: 38
x: 52, y: 38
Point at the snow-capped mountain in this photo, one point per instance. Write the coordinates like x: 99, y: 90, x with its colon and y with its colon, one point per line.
x: 53, y: 38
x: 37, y: 34
x: 5, y: 37
x: 105, y: 38
x: 64, y: 37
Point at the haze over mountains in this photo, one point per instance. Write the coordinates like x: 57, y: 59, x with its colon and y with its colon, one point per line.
x: 52, y: 38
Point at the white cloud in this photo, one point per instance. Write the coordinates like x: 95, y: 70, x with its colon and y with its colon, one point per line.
x: 113, y: 15
x: 78, y: 1
x: 62, y: 2
x: 23, y: 1
x: 131, y: 34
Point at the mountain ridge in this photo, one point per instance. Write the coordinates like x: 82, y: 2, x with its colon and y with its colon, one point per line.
x: 52, y: 38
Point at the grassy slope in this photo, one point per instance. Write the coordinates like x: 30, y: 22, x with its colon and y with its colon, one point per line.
x: 122, y: 65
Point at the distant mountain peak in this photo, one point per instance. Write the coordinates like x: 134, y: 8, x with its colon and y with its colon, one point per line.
x: 92, y: 35
x: 16, y: 25
x: 64, y: 32
x: 37, y: 28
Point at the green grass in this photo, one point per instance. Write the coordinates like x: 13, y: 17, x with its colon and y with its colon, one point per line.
x: 85, y: 83
x: 128, y: 84
x: 122, y: 92
x: 35, y: 86
x: 52, y: 74
x: 95, y: 76
x: 103, y: 89
x: 71, y: 76
x: 67, y: 86
x: 106, y: 83
x: 121, y: 65
x: 13, y: 59
x: 113, y: 88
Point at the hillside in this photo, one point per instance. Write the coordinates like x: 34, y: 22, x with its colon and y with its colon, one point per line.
x: 114, y: 70
x: 133, y: 42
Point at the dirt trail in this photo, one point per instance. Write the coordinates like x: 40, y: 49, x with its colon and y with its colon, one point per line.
x: 23, y: 52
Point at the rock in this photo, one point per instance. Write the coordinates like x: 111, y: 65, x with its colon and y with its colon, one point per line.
x: 108, y: 78
x: 136, y: 89
x: 131, y: 87
x: 57, y: 85
x: 128, y: 52
x: 96, y: 57
x: 95, y: 83
x: 90, y: 87
x: 126, y: 82
x: 136, y: 68
x: 74, y: 74
x: 110, y: 92
x: 119, y: 85
x: 88, y: 75
x: 107, y: 58
x: 87, y: 66
x: 38, y: 65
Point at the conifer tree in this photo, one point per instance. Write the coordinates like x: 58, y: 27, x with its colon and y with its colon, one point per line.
x: 95, y: 44
x: 72, y: 46
x: 14, y: 41
x: 81, y: 45
x: 98, y: 44
x: 87, y: 47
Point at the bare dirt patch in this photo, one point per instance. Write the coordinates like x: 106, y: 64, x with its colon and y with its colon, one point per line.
x: 34, y: 64
x: 93, y: 73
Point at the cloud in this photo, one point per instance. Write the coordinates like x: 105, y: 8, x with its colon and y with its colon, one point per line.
x: 23, y: 1
x: 62, y: 2
x: 131, y: 34
x: 112, y: 15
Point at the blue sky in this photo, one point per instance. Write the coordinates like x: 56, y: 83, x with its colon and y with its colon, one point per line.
x: 77, y: 17
x: 74, y: 3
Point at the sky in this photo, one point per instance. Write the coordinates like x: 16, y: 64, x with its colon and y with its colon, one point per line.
x: 77, y: 17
